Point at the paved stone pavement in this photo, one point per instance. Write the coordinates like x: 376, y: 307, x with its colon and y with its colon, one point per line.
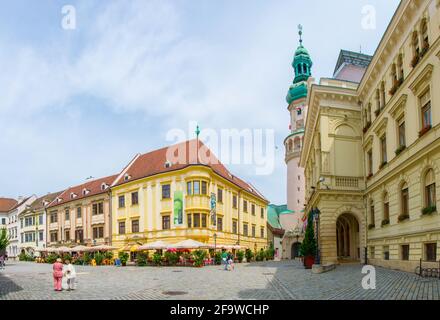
x: 285, y: 280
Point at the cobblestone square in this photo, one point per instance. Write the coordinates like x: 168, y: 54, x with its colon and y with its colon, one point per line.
x: 257, y: 281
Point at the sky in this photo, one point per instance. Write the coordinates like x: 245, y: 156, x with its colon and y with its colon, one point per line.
x: 79, y: 103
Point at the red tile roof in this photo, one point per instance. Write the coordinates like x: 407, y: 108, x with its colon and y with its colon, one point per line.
x: 93, y: 187
x: 7, y: 204
x: 180, y: 156
x: 39, y: 203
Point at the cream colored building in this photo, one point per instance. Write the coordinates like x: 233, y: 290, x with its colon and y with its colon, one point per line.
x: 372, y: 150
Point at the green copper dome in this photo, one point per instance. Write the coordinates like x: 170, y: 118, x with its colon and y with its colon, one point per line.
x: 302, y: 65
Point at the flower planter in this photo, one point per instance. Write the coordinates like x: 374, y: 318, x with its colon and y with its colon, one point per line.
x: 424, y: 131
x: 309, y: 261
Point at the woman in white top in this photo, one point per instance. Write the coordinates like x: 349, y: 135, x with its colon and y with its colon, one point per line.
x: 70, y: 274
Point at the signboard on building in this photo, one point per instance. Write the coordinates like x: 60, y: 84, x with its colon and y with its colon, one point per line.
x: 178, y: 208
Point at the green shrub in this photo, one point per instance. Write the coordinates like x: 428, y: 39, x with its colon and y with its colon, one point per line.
x: 67, y: 256
x: 25, y: 257
x: 240, y: 256
x: 142, y: 259
x: 78, y: 261
x: 218, y: 258
x: 123, y: 256
x: 199, y: 257
x: 157, y: 259
x: 429, y: 210
x: 249, y: 255
x: 171, y: 257
x: 260, y: 256
x: 99, y: 258
x: 51, y: 258
x: 108, y: 255
x: 270, y: 254
x: 87, y: 258
x: 308, y: 246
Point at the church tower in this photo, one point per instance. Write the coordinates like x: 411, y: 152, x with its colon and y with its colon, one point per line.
x: 296, y: 98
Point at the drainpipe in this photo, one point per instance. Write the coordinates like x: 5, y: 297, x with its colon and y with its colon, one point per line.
x: 110, y: 217
x: 238, y: 222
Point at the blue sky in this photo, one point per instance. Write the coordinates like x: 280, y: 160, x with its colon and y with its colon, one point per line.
x: 80, y: 103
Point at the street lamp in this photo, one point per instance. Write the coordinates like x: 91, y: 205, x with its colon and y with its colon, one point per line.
x: 215, y: 243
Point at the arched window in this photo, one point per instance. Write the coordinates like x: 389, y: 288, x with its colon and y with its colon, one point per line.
x: 430, y: 197
x: 404, y: 201
x: 394, y: 74
x: 369, y: 112
x: 386, y: 207
x: 297, y: 144
x: 415, y: 45
x: 290, y: 145
x: 382, y: 95
x: 377, y: 101
x: 305, y: 68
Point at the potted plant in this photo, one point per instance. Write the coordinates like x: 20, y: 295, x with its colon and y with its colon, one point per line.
x: 415, y: 60
x: 240, y: 256
x: 308, y: 246
x: 371, y: 226
x: 99, y: 258
x: 157, y: 259
x: 424, y: 130
x: 429, y: 210
x: 171, y: 257
x: 123, y: 256
x: 385, y: 222
x: 383, y: 164
x: 249, y: 255
x: 377, y: 112
x: 199, y: 257
x: 367, y: 126
x: 400, y: 150
x: 142, y: 259
x: 403, y: 217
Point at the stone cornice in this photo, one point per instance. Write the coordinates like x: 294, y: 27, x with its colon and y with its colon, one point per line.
x: 381, y: 127
x: 368, y: 142
x: 422, y: 79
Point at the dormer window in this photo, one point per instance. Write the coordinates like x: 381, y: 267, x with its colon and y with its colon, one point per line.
x: 73, y: 195
x: 127, y: 177
x: 85, y: 192
x: 168, y: 164
x: 59, y: 200
x: 104, y: 186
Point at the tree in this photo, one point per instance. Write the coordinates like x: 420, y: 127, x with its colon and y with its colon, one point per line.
x: 308, y: 246
x: 4, y: 240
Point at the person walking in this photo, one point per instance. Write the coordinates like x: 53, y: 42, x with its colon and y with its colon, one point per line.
x: 225, y: 259
x: 230, y: 262
x: 70, y: 275
x: 57, y: 275
x: 2, y: 262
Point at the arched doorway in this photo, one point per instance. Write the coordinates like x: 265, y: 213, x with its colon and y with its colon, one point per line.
x: 347, y: 238
x: 295, y: 250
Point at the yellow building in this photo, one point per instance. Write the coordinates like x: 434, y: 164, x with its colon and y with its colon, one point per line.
x: 372, y: 150
x: 168, y: 195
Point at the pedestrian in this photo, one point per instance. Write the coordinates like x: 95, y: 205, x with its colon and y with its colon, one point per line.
x: 57, y: 275
x: 225, y: 259
x: 70, y: 273
x: 230, y: 262
x: 2, y: 262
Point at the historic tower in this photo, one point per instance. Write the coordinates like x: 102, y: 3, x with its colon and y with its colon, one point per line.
x: 296, y: 98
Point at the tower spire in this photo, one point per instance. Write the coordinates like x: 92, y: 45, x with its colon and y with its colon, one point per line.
x: 300, y: 32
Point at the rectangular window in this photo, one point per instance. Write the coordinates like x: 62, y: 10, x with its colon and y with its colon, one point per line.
x: 386, y: 253
x: 386, y: 211
x: 166, y: 223
x: 189, y: 188
x: 262, y: 232
x: 430, y: 195
x: 121, y: 201
x: 67, y: 215
x: 262, y: 213
x: 21, y: 223
x: 383, y: 146
x: 204, y: 220
x: 253, y: 209
x: 22, y: 240
x: 219, y: 224
x: 53, y: 236
x: 220, y: 195
x: 95, y: 209
x: 245, y: 229
x: 425, y: 102
x: 78, y: 213
x: 253, y: 231
x: 40, y: 235
x: 197, y: 187
x: 166, y: 191
x: 98, y: 232
x: 67, y: 234
x: 404, y: 251
x: 234, y: 227
x: 372, y: 215
x: 245, y: 206
x: 134, y: 198
x: 135, y: 226
x: 402, y: 135
x: 370, y: 162
x: 431, y: 252
x: 372, y: 253
x: 234, y: 201
x: 196, y: 220
x: 204, y: 188
x: 122, y: 227
x: 3, y: 221
x: 189, y: 220
x: 79, y: 235
x: 405, y: 201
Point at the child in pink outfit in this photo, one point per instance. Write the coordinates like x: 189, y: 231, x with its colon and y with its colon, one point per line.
x: 57, y: 275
